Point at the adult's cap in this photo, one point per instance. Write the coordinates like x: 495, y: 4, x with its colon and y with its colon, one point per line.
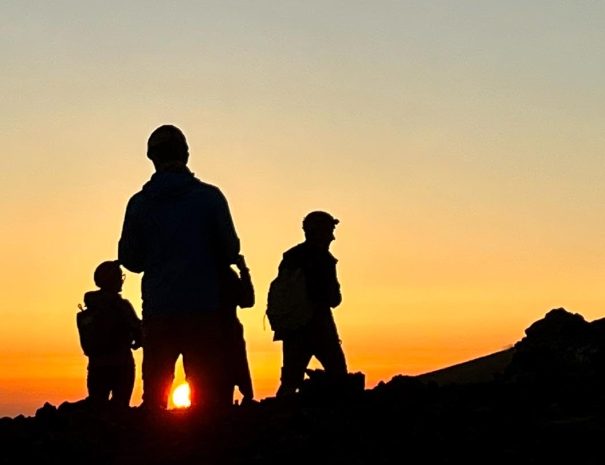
x: 319, y: 218
x: 167, y: 143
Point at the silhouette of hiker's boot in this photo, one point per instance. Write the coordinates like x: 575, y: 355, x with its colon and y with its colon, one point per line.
x: 248, y: 401
x: 321, y: 386
x: 150, y: 409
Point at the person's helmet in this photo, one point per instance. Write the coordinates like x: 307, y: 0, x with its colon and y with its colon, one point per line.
x: 317, y: 219
x: 167, y: 143
x: 107, y: 274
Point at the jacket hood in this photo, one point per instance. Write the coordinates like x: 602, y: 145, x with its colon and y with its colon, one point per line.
x: 100, y: 298
x: 165, y: 184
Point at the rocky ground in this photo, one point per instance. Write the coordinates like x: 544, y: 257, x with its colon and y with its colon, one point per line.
x: 541, y: 402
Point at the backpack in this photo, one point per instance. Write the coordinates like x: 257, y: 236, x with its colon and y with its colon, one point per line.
x: 96, y: 330
x: 288, y: 303
x: 85, y: 321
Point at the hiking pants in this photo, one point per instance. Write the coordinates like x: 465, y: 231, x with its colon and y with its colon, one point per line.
x: 318, y: 338
x: 199, y: 339
x: 115, y: 380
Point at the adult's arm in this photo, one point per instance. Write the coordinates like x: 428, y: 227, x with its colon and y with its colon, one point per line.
x: 134, y: 324
x: 322, y: 280
x: 247, y: 289
x: 228, y: 244
x: 130, y: 245
x: 334, y: 294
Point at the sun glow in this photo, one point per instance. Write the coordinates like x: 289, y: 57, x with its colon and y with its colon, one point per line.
x: 181, y: 396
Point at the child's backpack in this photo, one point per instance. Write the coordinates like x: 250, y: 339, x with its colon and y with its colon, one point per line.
x: 85, y: 322
x: 288, y: 303
x: 96, y: 329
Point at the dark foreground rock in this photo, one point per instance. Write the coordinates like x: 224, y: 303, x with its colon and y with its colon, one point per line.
x: 522, y: 415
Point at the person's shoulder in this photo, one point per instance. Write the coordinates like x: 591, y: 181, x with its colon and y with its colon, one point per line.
x: 144, y: 187
x: 294, y: 256
x: 206, y: 187
x: 295, y: 250
x: 127, y: 306
x: 210, y: 194
x: 123, y: 300
x: 136, y: 198
x: 305, y: 255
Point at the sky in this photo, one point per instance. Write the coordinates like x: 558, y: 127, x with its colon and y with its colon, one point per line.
x: 460, y: 143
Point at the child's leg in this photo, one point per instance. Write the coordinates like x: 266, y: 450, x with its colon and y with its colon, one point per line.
x: 123, y: 383
x: 98, y: 382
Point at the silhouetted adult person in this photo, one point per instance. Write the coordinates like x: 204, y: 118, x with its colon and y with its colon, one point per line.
x: 178, y: 231
x: 319, y: 336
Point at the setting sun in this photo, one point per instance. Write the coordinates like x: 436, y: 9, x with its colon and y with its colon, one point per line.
x: 181, y: 396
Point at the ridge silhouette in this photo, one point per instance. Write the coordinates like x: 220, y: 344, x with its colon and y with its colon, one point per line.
x: 545, y: 405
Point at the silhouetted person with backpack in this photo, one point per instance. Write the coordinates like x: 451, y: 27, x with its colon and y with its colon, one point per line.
x: 179, y: 233
x: 237, y: 291
x: 109, y: 330
x: 318, y: 336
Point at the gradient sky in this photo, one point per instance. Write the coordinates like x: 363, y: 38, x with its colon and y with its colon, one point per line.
x: 460, y: 143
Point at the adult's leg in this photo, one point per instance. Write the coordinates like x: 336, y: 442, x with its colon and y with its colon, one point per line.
x: 241, y: 367
x: 296, y: 355
x: 327, y: 349
x: 327, y: 346
x: 161, y: 350
x: 204, y: 361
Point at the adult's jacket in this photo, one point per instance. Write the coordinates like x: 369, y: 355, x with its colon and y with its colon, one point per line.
x: 323, y: 288
x: 319, y: 267
x: 178, y: 232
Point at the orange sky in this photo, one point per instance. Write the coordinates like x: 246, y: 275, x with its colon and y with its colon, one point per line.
x: 460, y: 144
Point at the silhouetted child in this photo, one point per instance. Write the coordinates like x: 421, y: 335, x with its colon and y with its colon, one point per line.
x: 109, y: 330
x: 237, y: 291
